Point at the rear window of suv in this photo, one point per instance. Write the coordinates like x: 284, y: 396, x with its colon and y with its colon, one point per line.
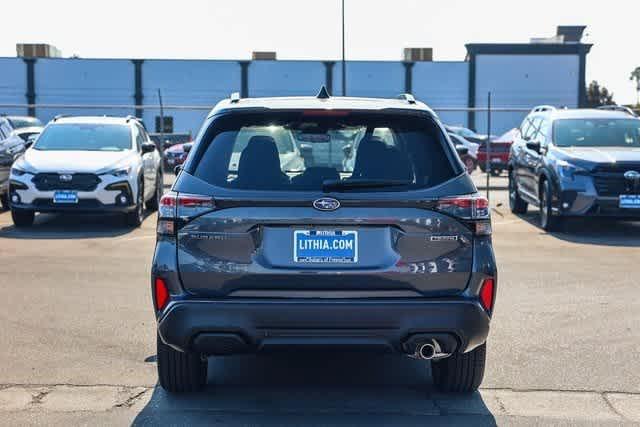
x: 307, y: 151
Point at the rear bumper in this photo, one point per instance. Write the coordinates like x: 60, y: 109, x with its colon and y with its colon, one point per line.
x: 230, y: 327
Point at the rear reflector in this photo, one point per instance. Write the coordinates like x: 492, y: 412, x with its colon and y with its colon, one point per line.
x: 487, y: 293
x: 161, y: 294
x: 166, y: 227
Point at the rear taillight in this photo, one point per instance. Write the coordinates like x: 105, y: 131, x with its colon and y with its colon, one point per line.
x: 473, y: 208
x: 177, y: 206
x: 161, y: 293
x: 487, y: 293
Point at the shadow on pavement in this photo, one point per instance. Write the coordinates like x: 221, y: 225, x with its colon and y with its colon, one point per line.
x: 316, y: 389
x: 52, y: 226
x: 594, y: 231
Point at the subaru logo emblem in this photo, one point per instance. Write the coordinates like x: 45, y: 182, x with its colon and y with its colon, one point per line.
x: 326, y: 204
x: 632, y: 175
x: 66, y: 178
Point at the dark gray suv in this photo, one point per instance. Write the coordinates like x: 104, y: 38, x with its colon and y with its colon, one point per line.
x: 319, y: 222
x: 576, y: 163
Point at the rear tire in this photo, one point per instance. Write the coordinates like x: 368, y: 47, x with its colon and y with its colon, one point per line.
x: 517, y: 205
x: 135, y: 217
x: 548, y: 221
x: 23, y: 218
x: 153, y: 203
x: 4, y: 202
x: 461, y: 372
x: 180, y: 372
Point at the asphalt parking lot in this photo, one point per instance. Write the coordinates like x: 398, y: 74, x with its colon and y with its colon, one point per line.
x: 78, y: 342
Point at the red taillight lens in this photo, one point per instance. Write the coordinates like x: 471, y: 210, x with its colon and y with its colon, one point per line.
x: 168, y: 203
x: 471, y: 206
x: 487, y: 293
x: 183, y: 206
x: 161, y: 294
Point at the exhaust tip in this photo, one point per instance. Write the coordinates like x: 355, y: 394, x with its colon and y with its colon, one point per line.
x: 427, y: 351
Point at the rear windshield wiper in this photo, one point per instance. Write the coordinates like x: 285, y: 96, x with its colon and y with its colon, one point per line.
x: 338, y: 184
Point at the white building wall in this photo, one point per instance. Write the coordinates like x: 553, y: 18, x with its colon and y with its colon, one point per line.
x: 524, y: 81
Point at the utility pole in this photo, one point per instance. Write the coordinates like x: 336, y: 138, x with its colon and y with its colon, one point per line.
x: 344, y: 64
x: 161, y: 121
x: 488, y: 142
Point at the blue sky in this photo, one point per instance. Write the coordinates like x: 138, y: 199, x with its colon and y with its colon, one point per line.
x: 310, y: 29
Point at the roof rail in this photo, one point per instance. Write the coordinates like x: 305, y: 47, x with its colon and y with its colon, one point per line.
x: 407, y: 97
x: 620, y: 108
x: 543, y: 108
x: 60, y: 116
x: 235, y: 97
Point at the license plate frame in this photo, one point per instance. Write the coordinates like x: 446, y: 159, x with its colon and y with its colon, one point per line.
x: 305, y: 251
x: 65, y: 197
x: 629, y: 201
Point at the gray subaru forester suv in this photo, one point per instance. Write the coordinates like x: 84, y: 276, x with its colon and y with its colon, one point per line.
x: 323, y: 223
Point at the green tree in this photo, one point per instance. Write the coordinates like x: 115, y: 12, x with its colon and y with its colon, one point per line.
x: 635, y: 75
x: 598, y: 95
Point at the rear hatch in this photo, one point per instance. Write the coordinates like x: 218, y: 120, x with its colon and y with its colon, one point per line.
x: 393, y: 217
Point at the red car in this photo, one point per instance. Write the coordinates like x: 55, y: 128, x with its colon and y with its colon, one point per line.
x: 500, y: 148
x: 176, y: 155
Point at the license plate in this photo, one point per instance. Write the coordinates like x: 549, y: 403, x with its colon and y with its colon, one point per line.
x: 65, y: 197
x: 325, y: 246
x: 496, y: 160
x: 629, y: 201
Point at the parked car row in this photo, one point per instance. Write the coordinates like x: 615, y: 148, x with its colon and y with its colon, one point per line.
x: 17, y: 133
x: 367, y: 199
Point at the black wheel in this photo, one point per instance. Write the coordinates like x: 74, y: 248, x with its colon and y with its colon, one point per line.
x: 180, y: 372
x: 23, y: 218
x: 517, y: 205
x: 4, y: 202
x: 548, y: 221
x: 153, y: 203
x: 460, y: 373
x: 136, y: 216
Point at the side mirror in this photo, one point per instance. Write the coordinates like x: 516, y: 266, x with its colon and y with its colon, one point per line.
x: 533, y: 146
x: 462, y: 150
x: 177, y: 170
x: 186, y: 148
x: 347, y: 150
x: 148, y: 147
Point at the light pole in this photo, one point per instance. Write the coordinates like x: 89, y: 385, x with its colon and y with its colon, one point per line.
x: 344, y: 65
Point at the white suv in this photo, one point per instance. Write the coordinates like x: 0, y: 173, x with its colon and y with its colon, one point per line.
x: 87, y: 165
